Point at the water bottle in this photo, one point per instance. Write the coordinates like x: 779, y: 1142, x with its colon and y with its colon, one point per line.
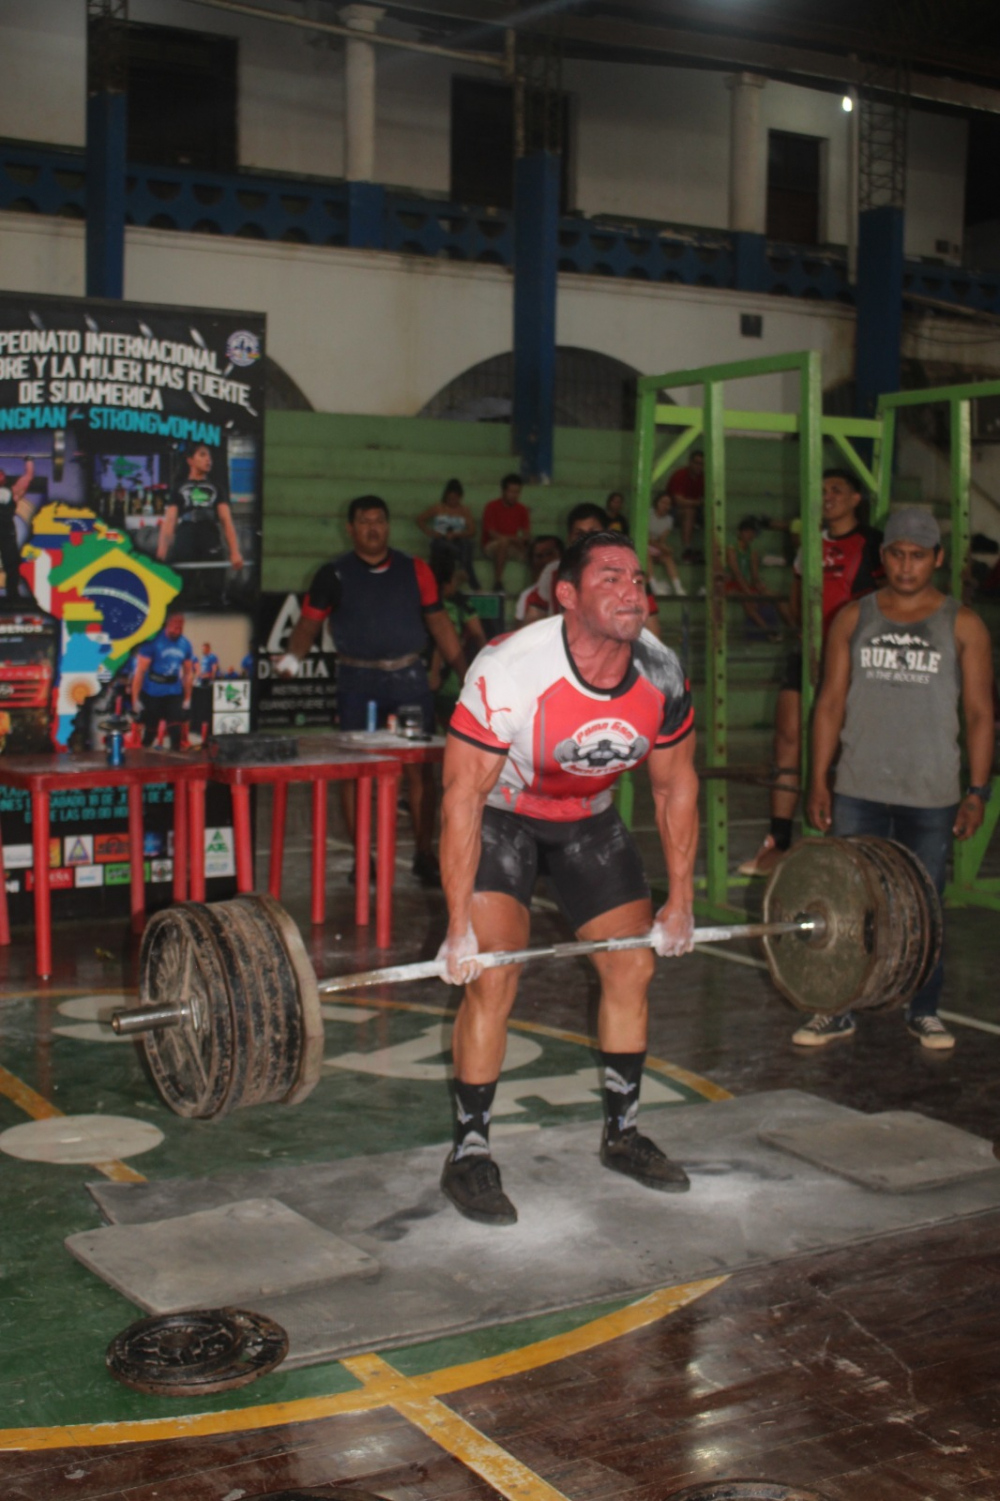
x: 372, y: 715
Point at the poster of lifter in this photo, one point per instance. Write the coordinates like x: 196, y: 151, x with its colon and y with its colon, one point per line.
x: 131, y: 442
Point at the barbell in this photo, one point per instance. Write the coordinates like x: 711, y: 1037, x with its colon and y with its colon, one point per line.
x: 230, y: 1016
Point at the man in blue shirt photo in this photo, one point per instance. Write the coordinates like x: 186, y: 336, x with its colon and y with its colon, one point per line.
x: 162, y: 682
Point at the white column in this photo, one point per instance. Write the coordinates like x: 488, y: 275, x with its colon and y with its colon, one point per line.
x: 359, y: 93
x: 747, y: 200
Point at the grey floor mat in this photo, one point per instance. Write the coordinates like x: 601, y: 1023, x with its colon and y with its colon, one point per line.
x: 584, y: 1234
x: 234, y: 1253
x: 896, y: 1151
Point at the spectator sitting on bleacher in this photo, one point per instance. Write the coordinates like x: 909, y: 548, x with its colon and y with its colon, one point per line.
x: 686, y: 488
x: 614, y: 509
x: 661, y: 524
x: 506, y: 527
x: 544, y: 549
x: 743, y: 580
x: 451, y: 527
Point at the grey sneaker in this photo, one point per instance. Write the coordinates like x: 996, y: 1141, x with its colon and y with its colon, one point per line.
x: 932, y: 1032
x: 473, y: 1185
x: 639, y: 1158
x: 821, y: 1029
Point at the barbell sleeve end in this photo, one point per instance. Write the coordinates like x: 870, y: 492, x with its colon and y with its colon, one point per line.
x: 146, y: 1019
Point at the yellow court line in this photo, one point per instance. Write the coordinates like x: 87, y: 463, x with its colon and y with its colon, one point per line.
x: 700, y: 1085
x: 638, y: 1315
x: 41, y: 1109
x: 453, y: 1434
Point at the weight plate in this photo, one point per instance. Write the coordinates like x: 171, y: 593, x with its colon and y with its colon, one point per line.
x: 899, y: 935
x: 250, y: 1000
x: 823, y: 878
x: 311, y: 1054
x: 283, y: 1039
x: 932, y: 910
x: 194, y: 1353
x: 191, y: 1064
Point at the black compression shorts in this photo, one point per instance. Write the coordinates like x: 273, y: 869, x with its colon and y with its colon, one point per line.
x: 592, y: 864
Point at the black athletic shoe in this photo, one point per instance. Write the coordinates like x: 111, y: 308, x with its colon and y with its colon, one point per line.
x: 427, y: 870
x: 473, y: 1186
x: 639, y: 1158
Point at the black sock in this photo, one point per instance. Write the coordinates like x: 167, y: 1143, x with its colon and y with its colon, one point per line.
x: 472, y: 1118
x: 781, y: 832
x: 622, y: 1078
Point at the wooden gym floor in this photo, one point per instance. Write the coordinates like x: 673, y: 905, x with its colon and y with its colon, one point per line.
x: 870, y: 1372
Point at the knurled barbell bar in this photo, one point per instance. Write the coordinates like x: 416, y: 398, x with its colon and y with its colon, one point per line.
x: 230, y: 1016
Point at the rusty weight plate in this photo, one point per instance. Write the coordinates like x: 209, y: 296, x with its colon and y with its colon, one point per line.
x: 824, y: 878
x: 195, y: 1353
x: 191, y: 1065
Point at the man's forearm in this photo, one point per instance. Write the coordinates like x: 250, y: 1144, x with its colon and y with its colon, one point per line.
x: 461, y: 839
x: 980, y: 738
x: 828, y: 722
x: 677, y: 824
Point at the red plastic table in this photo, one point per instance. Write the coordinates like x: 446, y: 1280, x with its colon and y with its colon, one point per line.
x: 40, y: 776
x: 320, y: 763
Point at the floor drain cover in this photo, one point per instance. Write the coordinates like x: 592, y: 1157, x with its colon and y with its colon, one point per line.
x: 191, y: 1354
x: 744, y: 1490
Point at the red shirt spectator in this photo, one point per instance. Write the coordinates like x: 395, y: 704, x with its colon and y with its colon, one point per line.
x: 506, y: 527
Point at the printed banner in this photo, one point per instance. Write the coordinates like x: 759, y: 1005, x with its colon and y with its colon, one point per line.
x: 131, y: 442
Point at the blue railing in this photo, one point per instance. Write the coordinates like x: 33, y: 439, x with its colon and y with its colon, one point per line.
x: 313, y: 211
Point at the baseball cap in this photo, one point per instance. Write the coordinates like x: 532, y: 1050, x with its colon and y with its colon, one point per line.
x: 913, y: 524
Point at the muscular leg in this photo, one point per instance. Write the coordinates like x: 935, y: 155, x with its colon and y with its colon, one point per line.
x: 479, y: 1040
x: 623, y: 1011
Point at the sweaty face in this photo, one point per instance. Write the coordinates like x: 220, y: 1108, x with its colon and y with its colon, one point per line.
x: 611, y: 599
x: 370, y: 534
x: 840, y: 502
x: 909, y: 568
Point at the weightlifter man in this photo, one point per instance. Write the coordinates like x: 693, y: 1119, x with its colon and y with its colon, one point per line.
x: 527, y: 791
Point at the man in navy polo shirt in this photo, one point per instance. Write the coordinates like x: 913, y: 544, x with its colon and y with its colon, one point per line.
x: 162, y: 681
x: 382, y: 604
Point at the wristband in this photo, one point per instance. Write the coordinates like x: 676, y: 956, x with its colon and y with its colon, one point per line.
x: 985, y: 792
x: 289, y: 664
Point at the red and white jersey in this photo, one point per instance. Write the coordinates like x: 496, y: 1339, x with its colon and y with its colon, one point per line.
x: 566, y: 742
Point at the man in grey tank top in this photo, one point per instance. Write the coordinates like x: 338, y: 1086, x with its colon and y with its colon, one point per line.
x: 898, y: 664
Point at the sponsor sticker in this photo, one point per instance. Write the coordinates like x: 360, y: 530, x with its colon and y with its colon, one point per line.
x: 242, y: 348
x: 55, y: 853
x: 18, y: 856
x: 230, y: 724
x: 110, y: 847
x: 79, y: 850
x: 89, y: 875
x: 220, y: 859
x: 231, y: 697
x: 117, y: 875
x: 59, y: 880
x: 12, y: 885
x: 161, y: 870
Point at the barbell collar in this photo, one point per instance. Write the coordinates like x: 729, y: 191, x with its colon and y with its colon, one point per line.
x: 432, y: 969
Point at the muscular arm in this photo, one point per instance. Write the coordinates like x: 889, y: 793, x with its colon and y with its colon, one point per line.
x: 447, y: 642
x: 976, y: 662
x: 828, y: 718
x: 141, y: 668
x: 19, y: 488
x: 469, y: 776
x: 304, y: 633
x: 166, y: 537
x: 675, y: 803
x: 224, y: 512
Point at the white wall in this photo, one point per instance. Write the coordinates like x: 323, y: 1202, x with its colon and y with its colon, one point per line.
x: 371, y: 332
x: 652, y: 142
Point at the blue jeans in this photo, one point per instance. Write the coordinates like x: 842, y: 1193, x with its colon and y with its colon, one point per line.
x: 925, y: 831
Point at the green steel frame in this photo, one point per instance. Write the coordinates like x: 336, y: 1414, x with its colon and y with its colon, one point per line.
x: 709, y: 422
